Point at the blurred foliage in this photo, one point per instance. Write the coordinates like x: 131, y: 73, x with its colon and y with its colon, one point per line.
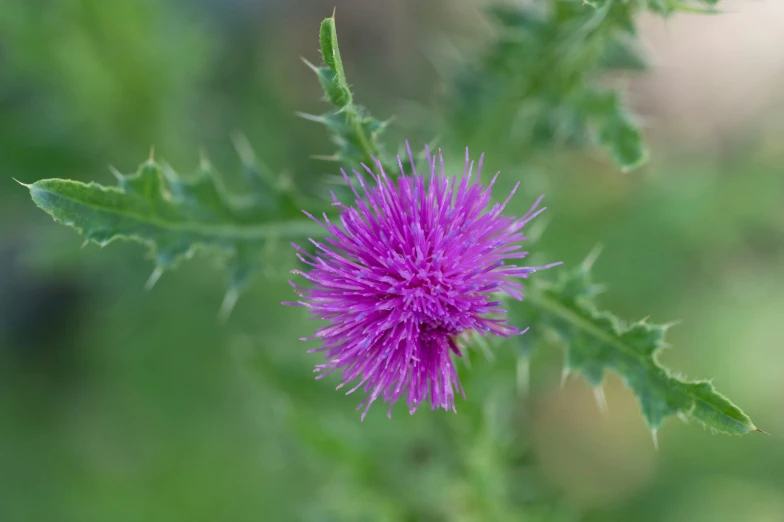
x: 123, y: 84
x: 543, y: 81
x: 538, y: 85
x: 119, y: 404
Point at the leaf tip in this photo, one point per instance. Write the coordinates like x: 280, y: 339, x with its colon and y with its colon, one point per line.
x: 601, y: 399
x: 667, y: 326
x: 309, y: 64
x: 591, y: 258
x: 25, y: 185
x: 322, y: 157
x: 642, y: 157
x: 154, y: 277
x: 243, y: 148
x: 523, y: 375
x: 116, y: 173
x: 310, y: 117
x: 204, y: 160
x: 565, y: 372
x: 227, y: 306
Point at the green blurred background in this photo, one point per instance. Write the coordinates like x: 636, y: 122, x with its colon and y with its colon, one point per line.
x: 118, y: 404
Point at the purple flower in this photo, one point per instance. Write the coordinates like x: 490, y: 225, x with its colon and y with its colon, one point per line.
x: 412, y: 266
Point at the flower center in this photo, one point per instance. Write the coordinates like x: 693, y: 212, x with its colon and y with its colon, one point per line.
x: 427, y: 297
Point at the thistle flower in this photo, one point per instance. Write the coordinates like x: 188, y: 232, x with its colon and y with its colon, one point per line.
x: 412, y: 266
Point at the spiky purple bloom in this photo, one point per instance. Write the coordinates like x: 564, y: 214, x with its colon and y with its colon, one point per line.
x: 411, y: 267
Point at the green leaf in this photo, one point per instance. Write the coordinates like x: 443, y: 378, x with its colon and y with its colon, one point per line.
x: 598, y: 341
x: 622, y: 54
x: 176, y: 216
x: 615, y: 128
x: 354, y: 131
x: 538, y: 84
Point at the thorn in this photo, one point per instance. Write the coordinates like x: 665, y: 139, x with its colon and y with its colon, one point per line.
x: 227, y: 306
x: 523, y: 375
x: 244, y: 150
x: 250, y: 160
x: 761, y: 431
x: 483, y: 345
x: 601, y: 399
x: 151, y: 158
x: 310, y: 117
x: 669, y: 325
x: 313, y: 67
x: 204, y: 161
x: 537, y: 229
x: 655, y: 435
x: 116, y: 173
x: 564, y: 376
x: 591, y: 258
x: 25, y: 185
x: 335, y: 8
x: 169, y: 173
x: 85, y: 243
x: 324, y: 158
x: 466, y: 358
x: 156, y: 274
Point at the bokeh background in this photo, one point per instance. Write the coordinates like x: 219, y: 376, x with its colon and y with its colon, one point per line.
x: 118, y: 404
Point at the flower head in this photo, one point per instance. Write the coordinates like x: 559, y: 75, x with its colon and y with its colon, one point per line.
x: 412, y: 265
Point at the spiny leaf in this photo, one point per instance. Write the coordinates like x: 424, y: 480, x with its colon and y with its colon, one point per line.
x: 598, y: 341
x: 529, y: 89
x: 615, y: 128
x: 175, y: 216
x: 354, y: 131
